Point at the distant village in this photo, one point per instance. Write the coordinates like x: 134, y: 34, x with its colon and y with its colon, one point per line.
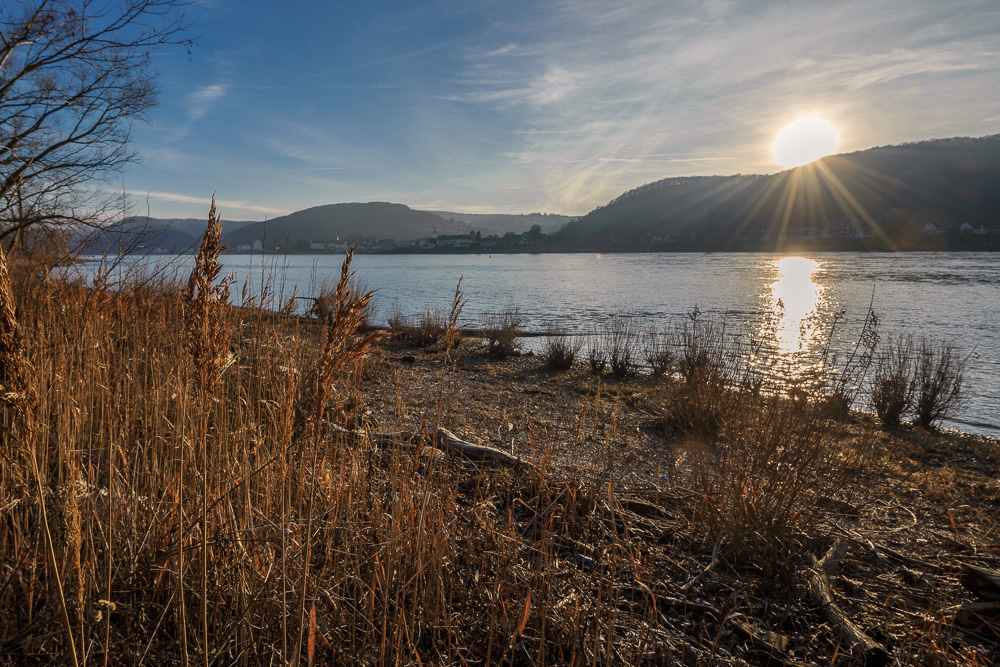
x: 435, y: 242
x: 846, y: 235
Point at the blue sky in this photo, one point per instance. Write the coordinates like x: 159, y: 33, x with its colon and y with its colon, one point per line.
x: 510, y: 106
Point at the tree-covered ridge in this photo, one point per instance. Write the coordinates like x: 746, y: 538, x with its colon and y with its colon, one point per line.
x: 885, y: 194
x: 346, y: 223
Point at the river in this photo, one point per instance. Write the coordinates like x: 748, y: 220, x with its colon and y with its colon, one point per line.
x: 950, y: 298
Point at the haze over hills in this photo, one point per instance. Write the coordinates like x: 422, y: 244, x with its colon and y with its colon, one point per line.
x: 349, y: 223
x: 139, y: 234
x: 884, y: 197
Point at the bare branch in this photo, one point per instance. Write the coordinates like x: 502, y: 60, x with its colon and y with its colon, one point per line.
x: 74, y: 76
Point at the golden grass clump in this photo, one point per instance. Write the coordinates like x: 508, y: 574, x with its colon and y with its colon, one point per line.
x: 16, y: 390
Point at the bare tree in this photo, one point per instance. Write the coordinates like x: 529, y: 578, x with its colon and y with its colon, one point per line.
x: 74, y: 77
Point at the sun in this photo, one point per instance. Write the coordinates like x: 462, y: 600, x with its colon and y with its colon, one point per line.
x: 805, y: 140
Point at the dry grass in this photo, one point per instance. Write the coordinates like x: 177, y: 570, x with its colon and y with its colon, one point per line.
x: 210, y: 499
x: 500, y: 330
x: 184, y: 481
x: 938, y: 375
x: 892, y: 384
x: 560, y: 350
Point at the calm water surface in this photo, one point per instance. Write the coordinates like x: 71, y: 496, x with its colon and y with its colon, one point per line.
x: 949, y: 297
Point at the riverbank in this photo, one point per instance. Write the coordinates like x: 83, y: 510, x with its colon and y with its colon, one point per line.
x: 245, y: 484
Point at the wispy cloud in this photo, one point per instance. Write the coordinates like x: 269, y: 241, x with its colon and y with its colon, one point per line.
x: 563, y: 105
x: 207, y: 201
x: 612, y: 88
x: 200, y: 100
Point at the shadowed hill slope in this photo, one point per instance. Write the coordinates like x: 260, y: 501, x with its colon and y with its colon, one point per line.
x: 885, y: 194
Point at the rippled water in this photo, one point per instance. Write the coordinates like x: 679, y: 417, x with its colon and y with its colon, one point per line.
x: 949, y: 297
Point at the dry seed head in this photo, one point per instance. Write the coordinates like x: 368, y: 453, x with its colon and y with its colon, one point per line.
x: 344, y: 345
x: 207, y: 335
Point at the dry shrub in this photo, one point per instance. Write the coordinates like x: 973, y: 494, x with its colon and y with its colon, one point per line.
x: 841, y: 384
x: 324, y: 304
x: 427, y: 331
x: 559, y: 349
x: 657, y: 352
x: 500, y: 330
x: 597, y: 357
x: 708, y: 390
x: 431, y: 328
x: 938, y: 374
x: 621, y: 340
x: 700, y: 409
x: 614, y: 346
x: 892, y: 383
x: 772, y: 473
x: 763, y: 465
x: 396, y: 320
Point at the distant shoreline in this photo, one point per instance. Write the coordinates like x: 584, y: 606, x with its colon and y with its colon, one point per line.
x: 629, y: 249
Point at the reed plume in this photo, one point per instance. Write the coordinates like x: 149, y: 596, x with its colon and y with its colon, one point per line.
x: 206, y: 306
x: 207, y: 339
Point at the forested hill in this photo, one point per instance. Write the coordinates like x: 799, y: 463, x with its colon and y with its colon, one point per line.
x: 347, y: 223
x: 879, y: 198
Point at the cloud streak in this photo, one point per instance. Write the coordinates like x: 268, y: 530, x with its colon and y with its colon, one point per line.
x: 200, y: 100
x: 207, y: 201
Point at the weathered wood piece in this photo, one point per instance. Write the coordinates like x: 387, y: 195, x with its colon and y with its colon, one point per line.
x: 872, y: 653
x: 981, y: 581
x: 975, y: 614
x: 443, y: 441
x: 772, y: 646
x: 448, y: 440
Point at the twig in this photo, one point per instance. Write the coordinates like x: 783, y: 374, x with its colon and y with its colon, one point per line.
x: 698, y: 577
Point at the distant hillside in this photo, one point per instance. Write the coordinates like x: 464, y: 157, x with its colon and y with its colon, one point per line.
x: 139, y: 234
x: 350, y: 223
x: 885, y: 196
x: 501, y: 223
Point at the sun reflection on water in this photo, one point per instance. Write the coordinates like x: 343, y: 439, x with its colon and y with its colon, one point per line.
x: 796, y: 295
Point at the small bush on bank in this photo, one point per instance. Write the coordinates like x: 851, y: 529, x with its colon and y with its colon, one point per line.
x: 559, y: 349
x: 840, y: 386
x: 501, y: 330
x: 702, y: 399
x: 693, y: 410
x: 657, y: 353
x: 937, y: 383
x: 621, y: 336
x: 429, y: 330
x: 705, y: 357
x: 892, y: 384
x: 772, y: 472
x: 596, y: 356
x: 396, y: 320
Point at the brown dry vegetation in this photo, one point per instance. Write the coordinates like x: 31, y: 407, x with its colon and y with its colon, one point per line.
x: 184, y: 480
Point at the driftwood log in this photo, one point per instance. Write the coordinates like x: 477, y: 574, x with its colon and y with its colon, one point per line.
x: 981, y: 581
x: 872, y: 653
x: 443, y: 441
x: 447, y: 440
